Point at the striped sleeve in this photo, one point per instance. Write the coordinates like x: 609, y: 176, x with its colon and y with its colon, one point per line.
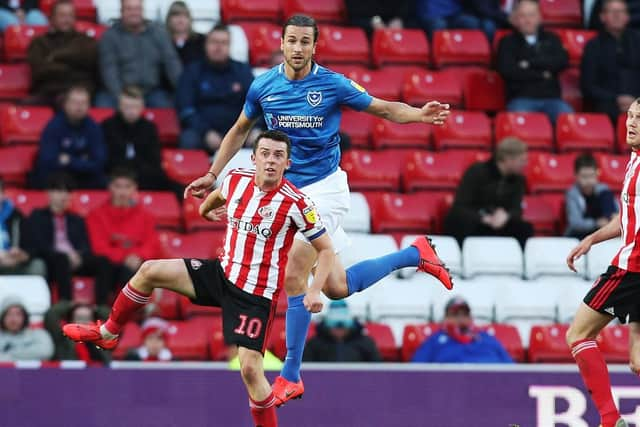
x: 306, y: 218
x: 224, y: 188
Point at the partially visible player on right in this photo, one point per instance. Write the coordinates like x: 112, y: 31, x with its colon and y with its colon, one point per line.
x: 616, y: 293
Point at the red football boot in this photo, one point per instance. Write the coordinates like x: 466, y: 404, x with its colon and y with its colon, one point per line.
x: 430, y: 263
x: 285, y: 390
x: 89, y: 332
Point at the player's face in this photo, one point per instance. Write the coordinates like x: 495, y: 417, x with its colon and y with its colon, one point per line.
x: 122, y: 191
x: 633, y: 126
x: 271, y: 160
x: 298, y: 46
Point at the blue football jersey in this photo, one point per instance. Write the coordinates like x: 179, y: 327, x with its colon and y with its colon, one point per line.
x: 308, y: 111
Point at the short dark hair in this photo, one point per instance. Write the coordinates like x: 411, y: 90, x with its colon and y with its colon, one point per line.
x: 132, y: 91
x: 123, y: 172
x: 58, y: 3
x: 76, y: 88
x: 302, y: 21
x: 585, y: 160
x: 219, y: 27
x: 606, y: 3
x: 276, y: 135
x: 60, y: 181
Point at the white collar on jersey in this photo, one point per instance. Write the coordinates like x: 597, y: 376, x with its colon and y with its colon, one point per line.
x: 314, y: 71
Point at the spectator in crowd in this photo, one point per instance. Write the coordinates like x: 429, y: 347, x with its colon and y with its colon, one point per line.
x: 611, y: 63
x: 371, y: 15
x: 60, y: 238
x: 73, y: 312
x: 488, y: 201
x: 13, y: 258
x: 490, y: 14
x: 14, y: 12
x: 189, y: 44
x: 137, y: 52
x: 459, y: 341
x: 589, y: 204
x: 340, y: 338
x: 154, y: 342
x: 592, y: 13
x: 17, y: 340
x: 211, y: 93
x: 433, y: 15
x: 529, y: 61
x: 72, y: 142
x: 61, y: 57
x: 132, y: 142
x: 122, y: 230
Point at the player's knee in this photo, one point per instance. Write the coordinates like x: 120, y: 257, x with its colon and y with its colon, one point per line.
x: 572, y: 336
x: 334, y: 295
x: 249, y: 371
x: 294, y: 285
x: 148, y: 271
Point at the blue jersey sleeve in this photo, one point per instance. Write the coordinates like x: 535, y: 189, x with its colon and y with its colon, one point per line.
x: 252, y: 107
x: 352, y: 94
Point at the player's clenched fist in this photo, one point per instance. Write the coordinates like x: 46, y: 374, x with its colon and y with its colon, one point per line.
x: 313, y: 301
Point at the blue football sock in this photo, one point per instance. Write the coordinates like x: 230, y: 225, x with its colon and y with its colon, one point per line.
x: 297, y: 324
x: 364, y: 274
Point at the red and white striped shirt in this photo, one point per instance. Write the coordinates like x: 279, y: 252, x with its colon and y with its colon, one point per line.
x: 260, y: 231
x: 628, y: 257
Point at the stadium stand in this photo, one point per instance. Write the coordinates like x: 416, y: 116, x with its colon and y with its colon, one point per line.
x: 395, y: 46
x: 460, y: 47
x: 478, y: 256
x: 422, y: 86
x: 534, y: 129
x: 342, y: 45
x: 584, y: 131
x: 237, y: 10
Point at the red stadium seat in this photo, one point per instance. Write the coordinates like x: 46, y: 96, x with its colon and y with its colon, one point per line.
x: 395, y: 212
x: 277, y: 343
x: 570, y: 85
x: 484, y: 91
x: 509, y: 337
x: 235, y: 10
x: 613, y: 342
x: 547, y: 344
x: 621, y: 134
x: 20, y: 124
x: 84, y: 201
x: 574, y: 41
x: 561, y: 13
x: 413, y: 336
x: 166, y: 304
x: 27, y: 200
x: 612, y: 168
x: 188, y: 340
x: 371, y: 170
x: 166, y: 121
x: 130, y: 338
x: 91, y: 29
x: 83, y: 290
x: 497, y: 37
x: 217, y: 347
x: 442, y: 209
x: 342, y: 45
x: 549, y: 172
x: 329, y: 11
x: 460, y: 47
x: 426, y: 170
x: 387, y: 134
x: 17, y: 39
x: 163, y: 205
x: 15, y: 81
x: 190, y: 310
x: 184, y: 166
x: 358, y: 126
x: 203, y: 244
x: 85, y: 9
x: 584, y: 131
x: 384, y: 340
x: 422, y: 86
x: 533, y: 128
x: 100, y: 114
x: 16, y: 162
x: 540, y: 213
x: 383, y: 83
x: 464, y: 129
x: 193, y: 220
x: 264, y: 40
x: 557, y: 203
x: 400, y: 47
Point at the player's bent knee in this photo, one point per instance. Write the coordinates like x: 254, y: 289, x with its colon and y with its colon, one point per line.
x: 148, y: 271
x: 334, y: 294
x: 250, y: 371
x: 295, y: 285
x: 573, y: 335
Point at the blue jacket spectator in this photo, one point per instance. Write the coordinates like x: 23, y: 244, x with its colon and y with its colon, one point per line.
x: 211, y: 93
x: 435, y: 15
x: 73, y: 143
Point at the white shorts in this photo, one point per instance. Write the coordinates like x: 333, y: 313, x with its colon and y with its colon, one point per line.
x: 332, y: 200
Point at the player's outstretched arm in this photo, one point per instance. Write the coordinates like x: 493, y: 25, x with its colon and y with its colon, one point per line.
x: 209, y: 207
x: 606, y: 232
x: 432, y: 112
x: 326, y: 258
x: 230, y: 145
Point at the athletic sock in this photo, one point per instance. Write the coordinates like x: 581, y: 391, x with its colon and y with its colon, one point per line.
x: 364, y: 274
x: 297, y: 324
x: 264, y: 412
x: 129, y: 300
x: 595, y: 375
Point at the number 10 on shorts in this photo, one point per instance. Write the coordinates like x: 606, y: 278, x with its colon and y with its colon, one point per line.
x: 249, y: 327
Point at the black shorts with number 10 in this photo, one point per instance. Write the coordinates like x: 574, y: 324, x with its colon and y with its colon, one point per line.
x: 617, y: 293
x: 246, y: 318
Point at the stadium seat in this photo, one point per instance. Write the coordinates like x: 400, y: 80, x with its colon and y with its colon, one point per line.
x: 17, y: 39
x: 561, y: 13
x: 600, y: 256
x: 547, y: 344
x: 448, y: 251
x: 84, y: 201
x: 613, y: 343
x: 557, y: 203
x: 533, y: 128
x: 460, y: 47
x: 130, y: 338
x: 85, y: 9
x: 464, y: 129
x: 612, y: 168
x: 239, y: 48
x: 574, y: 41
x: 571, y: 295
x: 166, y: 304
x: 264, y: 40
x: 497, y: 37
x: 584, y: 131
x: 31, y: 290
x: 163, y: 205
x: 539, y: 212
x: 358, y: 219
x: 479, y: 256
x: 83, y: 290
x: 365, y: 246
x: 237, y: 10
x: 383, y: 83
x: 100, y: 114
x: 342, y: 45
x: 184, y: 166
x: 371, y: 170
x: 242, y: 159
x: 193, y: 220
x: 422, y: 86
x: 383, y: 337
x: 480, y: 292
x: 203, y: 244
x: 15, y: 81
x: 413, y: 336
x: 20, y: 124
x: 387, y: 134
x: 16, y: 162
x: 91, y: 29
x: 166, y: 121
x: 395, y: 300
x: 277, y: 343
x: 425, y: 170
x: 358, y: 126
x: 188, y: 340
x: 218, y: 350
x: 395, y: 212
x: 400, y: 46
x: 546, y: 256
x: 570, y: 85
x: 484, y: 90
x: 27, y: 200
x: 329, y: 11
x: 509, y: 337
x: 621, y: 134
x: 549, y: 172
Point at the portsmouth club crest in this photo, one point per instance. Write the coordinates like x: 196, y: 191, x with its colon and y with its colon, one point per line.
x: 314, y: 97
